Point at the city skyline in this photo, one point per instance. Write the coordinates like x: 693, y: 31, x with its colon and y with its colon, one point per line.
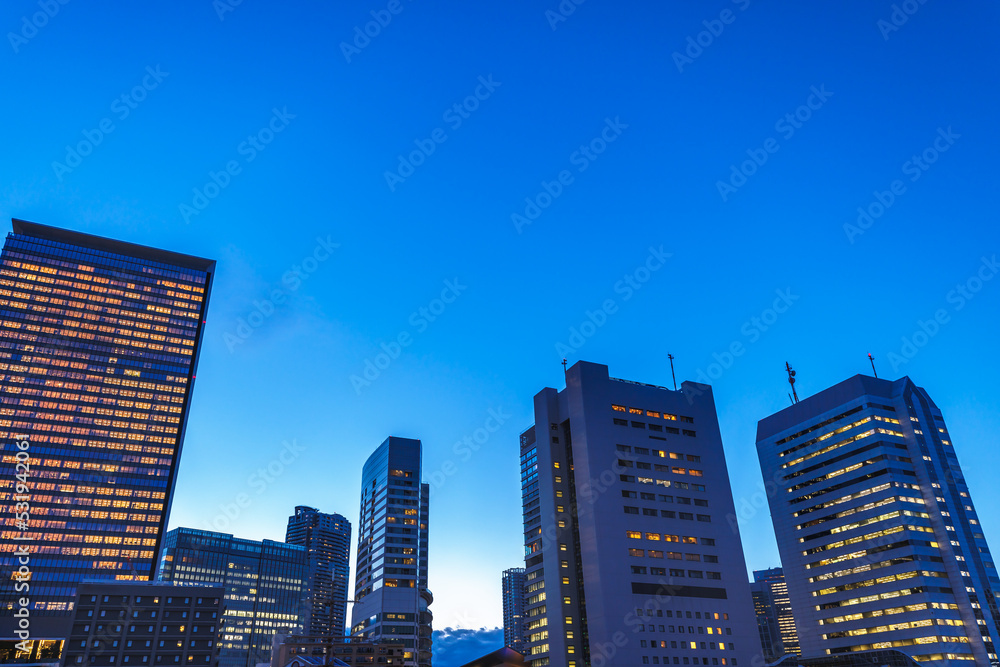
x: 415, y: 226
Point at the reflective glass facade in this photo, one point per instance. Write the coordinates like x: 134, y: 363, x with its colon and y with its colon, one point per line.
x: 265, y: 586
x: 392, y: 600
x: 98, y: 348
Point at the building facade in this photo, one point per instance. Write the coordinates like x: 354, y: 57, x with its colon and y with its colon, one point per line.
x: 127, y: 623
x: 775, y: 620
x: 391, y: 596
x: 326, y: 650
x: 264, y: 582
x: 327, y: 541
x: 99, y: 343
x: 512, y: 584
x: 879, y: 539
x: 630, y: 554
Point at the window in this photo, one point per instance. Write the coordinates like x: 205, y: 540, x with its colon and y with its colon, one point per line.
x: 676, y: 573
x: 652, y: 536
x: 714, y: 575
x: 710, y: 559
x: 621, y: 422
x: 648, y: 496
x: 695, y: 574
x: 638, y: 553
x: 623, y: 448
x: 708, y: 542
x: 686, y: 516
x: 700, y: 502
x: 668, y: 514
x: 628, y: 494
x: 638, y: 425
x: 704, y: 518
x: 648, y: 512
x: 631, y: 510
x: 638, y: 569
x: 642, y: 450
x: 633, y: 534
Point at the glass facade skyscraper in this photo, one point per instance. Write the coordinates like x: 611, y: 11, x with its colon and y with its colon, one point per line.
x: 99, y: 343
x: 880, y: 542
x: 774, y: 613
x: 390, y: 591
x: 265, y: 587
x: 327, y: 540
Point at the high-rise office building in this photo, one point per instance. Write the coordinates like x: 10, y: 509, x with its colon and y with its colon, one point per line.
x: 265, y: 584
x: 777, y: 622
x: 512, y: 584
x: 880, y: 543
x: 390, y: 591
x: 99, y: 342
x: 630, y: 554
x: 327, y: 540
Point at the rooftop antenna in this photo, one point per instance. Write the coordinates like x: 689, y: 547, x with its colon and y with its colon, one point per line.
x: 564, y: 364
x: 671, y: 357
x: 791, y: 381
x: 872, y: 359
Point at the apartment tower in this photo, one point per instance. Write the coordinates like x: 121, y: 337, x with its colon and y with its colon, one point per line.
x: 391, y: 596
x: 99, y: 344
x: 632, y: 552
x: 327, y: 540
x: 880, y: 542
x: 512, y: 583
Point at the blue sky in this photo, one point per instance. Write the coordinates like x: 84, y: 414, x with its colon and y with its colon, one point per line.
x: 619, y: 143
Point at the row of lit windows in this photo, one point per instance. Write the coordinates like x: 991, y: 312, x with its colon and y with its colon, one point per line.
x: 889, y: 611
x: 838, y: 431
x: 651, y: 413
x: 636, y: 535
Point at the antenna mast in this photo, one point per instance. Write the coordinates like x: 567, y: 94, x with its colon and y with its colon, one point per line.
x: 671, y: 357
x: 791, y: 381
x: 872, y: 359
x: 564, y: 365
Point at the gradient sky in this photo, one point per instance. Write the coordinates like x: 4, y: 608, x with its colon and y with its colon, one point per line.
x: 321, y: 183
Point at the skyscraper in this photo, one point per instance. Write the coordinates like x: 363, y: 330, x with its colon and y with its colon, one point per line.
x: 390, y: 591
x: 880, y: 543
x: 327, y: 540
x: 512, y: 582
x: 778, y: 623
x: 99, y: 343
x: 630, y: 557
x: 265, y: 585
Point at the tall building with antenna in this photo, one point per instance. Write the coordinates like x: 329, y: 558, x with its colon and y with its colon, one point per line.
x: 632, y: 552
x: 880, y: 542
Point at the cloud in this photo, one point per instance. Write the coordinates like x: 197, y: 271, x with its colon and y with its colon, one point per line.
x: 454, y: 647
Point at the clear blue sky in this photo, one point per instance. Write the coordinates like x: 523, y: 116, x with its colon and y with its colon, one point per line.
x: 885, y: 94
